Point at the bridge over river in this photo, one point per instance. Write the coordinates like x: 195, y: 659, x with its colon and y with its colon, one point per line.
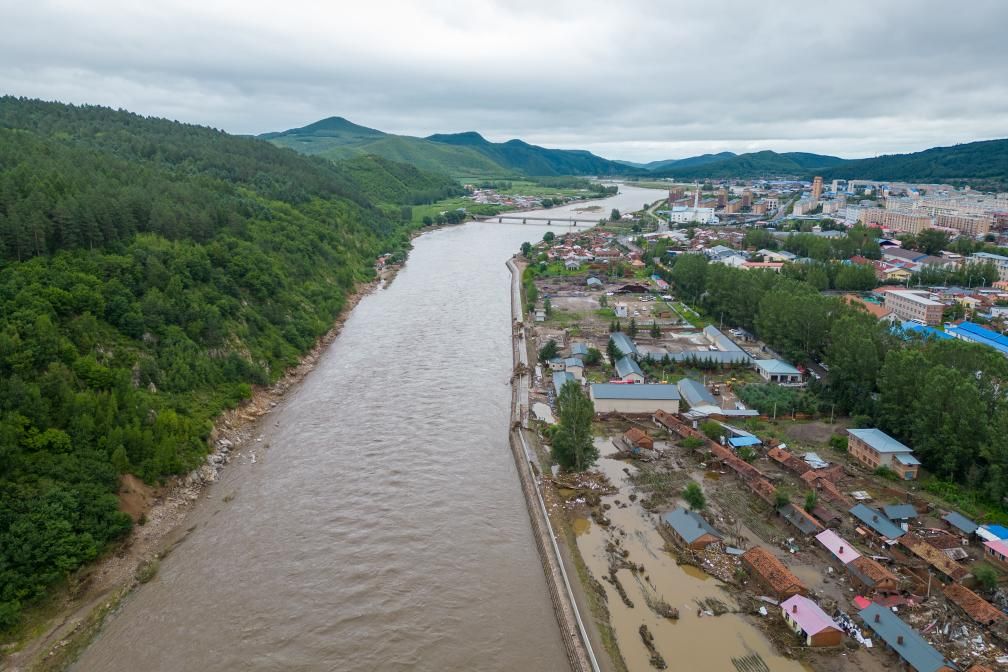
x: 572, y: 222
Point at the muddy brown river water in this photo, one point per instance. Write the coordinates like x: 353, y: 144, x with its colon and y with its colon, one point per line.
x: 381, y: 524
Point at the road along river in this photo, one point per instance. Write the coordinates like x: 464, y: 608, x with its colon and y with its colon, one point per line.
x: 381, y: 524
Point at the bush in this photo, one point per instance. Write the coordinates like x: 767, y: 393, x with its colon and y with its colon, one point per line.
x: 886, y: 473
x: 712, y: 429
x: 986, y: 576
x: 694, y: 496
x: 692, y: 443
x: 838, y: 443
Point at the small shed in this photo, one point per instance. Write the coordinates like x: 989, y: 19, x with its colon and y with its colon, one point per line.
x: 744, y: 441
x: 810, y: 622
x: 594, y: 283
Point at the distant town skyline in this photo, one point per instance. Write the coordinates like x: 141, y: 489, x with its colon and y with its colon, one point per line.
x: 638, y: 82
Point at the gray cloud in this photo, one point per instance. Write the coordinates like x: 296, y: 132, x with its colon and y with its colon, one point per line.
x: 636, y: 80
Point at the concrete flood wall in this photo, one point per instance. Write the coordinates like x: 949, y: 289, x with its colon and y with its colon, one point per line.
x: 572, y: 630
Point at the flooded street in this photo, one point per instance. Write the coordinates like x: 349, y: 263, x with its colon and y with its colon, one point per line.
x: 692, y: 642
x: 380, y: 524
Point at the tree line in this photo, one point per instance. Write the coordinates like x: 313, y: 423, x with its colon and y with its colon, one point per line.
x: 943, y: 398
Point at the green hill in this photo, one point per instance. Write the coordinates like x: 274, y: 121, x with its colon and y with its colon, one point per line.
x: 458, y: 154
x: 982, y: 164
x: 755, y: 164
x: 681, y: 163
x: 151, y: 273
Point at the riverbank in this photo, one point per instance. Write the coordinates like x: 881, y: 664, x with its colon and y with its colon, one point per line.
x: 577, y: 642
x: 66, y: 624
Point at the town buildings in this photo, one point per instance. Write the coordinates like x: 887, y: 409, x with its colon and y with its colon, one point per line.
x: 911, y: 304
x: 874, y: 448
x: 634, y: 399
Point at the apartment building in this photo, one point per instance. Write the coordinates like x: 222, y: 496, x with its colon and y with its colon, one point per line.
x: 909, y: 304
x: 1001, y: 262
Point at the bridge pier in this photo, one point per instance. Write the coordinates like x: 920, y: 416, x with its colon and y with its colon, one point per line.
x: 500, y: 220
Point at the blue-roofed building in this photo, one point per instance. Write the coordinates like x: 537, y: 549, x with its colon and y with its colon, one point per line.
x: 907, y: 329
x: 628, y: 370
x: 579, y: 350
x: 877, y: 522
x: 690, y: 529
x: 559, y: 378
x: 899, y: 512
x: 960, y: 522
x: 594, y: 283
x: 634, y: 399
x: 695, y: 394
x: 968, y: 331
x: 777, y: 371
x: 998, y: 531
x: 624, y: 343
x: 874, y: 448
x: 575, y: 367
x: 742, y: 441
x: 904, y: 640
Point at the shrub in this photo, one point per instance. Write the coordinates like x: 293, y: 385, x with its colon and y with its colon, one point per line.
x: 694, y: 496
x: 887, y: 473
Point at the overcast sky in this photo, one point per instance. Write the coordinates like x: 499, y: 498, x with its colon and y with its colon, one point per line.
x: 629, y: 80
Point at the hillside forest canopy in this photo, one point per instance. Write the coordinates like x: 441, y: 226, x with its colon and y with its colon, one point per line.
x: 151, y: 273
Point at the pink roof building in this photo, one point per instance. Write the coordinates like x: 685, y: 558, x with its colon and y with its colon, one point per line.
x: 810, y: 622
x: 998, y: 550
x: 835, y: 544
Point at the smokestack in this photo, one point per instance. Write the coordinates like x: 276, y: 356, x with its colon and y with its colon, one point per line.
x: 899, y: 640
x: 841, y: 550
x: 877, y: 618
x: 794, y: 608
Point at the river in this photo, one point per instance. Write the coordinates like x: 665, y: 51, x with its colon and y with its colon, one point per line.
x: 381, y: 525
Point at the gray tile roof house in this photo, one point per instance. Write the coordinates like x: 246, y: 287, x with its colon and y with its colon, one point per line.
x: 800, y: 519
x: 579, y: 349
x: 877, y: 521
x: 626, y: 366
x: 904, y: 640
x: 694, y: 393
x: 960, y: 522
x: 690, y: 526
x: 624, y: 343
x: 897, y: 512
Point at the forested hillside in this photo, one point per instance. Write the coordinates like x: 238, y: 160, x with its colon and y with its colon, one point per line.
x: 754, y: 164
x: 151, y: 272
x: 980, y: 164
x: 461, y: 154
